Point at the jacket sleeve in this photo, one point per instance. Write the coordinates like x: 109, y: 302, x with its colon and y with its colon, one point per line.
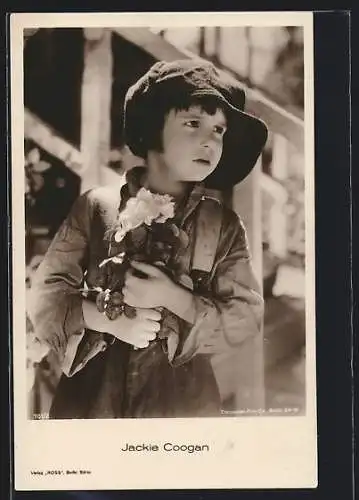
x: 55, y: 305
x: 232, y: 311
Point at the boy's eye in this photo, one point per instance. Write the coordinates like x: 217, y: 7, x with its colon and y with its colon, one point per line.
x: 192, y: 123
x: 219, y: 130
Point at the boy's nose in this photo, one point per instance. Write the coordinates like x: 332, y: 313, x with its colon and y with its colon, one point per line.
x: 207, y: 140
x: 206, y: 147
x: 208, y: 143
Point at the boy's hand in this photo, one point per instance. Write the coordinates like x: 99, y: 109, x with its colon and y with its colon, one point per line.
x: 157, y: 290
x: 138, y: 331
x: 154, y: 290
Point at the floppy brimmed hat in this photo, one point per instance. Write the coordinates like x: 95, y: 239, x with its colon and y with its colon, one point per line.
x: 245, y: 137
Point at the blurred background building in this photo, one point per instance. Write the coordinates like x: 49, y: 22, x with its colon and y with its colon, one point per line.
x: 74, y: 86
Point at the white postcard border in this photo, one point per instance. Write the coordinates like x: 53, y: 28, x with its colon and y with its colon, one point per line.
x: 250, y: 452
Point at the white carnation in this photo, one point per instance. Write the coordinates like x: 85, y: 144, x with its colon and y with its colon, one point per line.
x: 144, y: 208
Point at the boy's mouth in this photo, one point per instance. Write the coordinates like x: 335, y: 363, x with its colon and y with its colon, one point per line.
x: 202, y: 161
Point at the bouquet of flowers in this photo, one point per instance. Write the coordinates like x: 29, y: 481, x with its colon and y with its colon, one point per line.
x: 145, y: 232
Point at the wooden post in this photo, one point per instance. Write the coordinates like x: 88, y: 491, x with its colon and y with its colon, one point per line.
x: 96, y: 105
x: 278, y: 217
x: 280, y: 157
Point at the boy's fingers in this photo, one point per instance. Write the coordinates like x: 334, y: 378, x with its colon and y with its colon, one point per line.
x: 141, y: 344
x: 145, y: 337
x: 145, y: 268
x: 127, y: 297
x: 148, y: 336
x: 130, y: 278
x: 149, y: 326
x: 149, y: 314
x: 152, y: 326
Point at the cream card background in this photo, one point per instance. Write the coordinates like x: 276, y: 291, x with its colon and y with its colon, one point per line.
x: 250, y: 452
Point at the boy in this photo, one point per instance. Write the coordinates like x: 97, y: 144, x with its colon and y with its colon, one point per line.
x: 186, y: 120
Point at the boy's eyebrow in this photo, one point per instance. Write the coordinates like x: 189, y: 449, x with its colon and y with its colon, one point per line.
x: 197, y: 114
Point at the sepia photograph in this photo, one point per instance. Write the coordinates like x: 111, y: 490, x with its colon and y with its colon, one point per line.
x: 164, y: 226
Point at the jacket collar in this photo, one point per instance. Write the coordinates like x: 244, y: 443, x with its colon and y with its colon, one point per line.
x: 135, y: 179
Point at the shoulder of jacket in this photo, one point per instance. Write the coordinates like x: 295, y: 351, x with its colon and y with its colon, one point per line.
x: 232, y: 219
x: 103, y: 197
x: 233, y: 228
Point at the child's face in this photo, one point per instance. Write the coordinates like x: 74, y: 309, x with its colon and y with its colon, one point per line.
x: 192, y: 143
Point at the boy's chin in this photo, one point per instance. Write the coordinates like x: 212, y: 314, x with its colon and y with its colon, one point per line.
x: 195, y: 177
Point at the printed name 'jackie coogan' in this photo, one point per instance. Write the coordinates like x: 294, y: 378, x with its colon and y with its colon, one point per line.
x: 187, y: 448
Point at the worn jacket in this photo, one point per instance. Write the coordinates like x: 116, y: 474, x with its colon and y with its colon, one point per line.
x: 228, y: 313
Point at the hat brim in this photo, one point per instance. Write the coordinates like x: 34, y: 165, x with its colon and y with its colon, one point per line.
x: 242, y: 144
